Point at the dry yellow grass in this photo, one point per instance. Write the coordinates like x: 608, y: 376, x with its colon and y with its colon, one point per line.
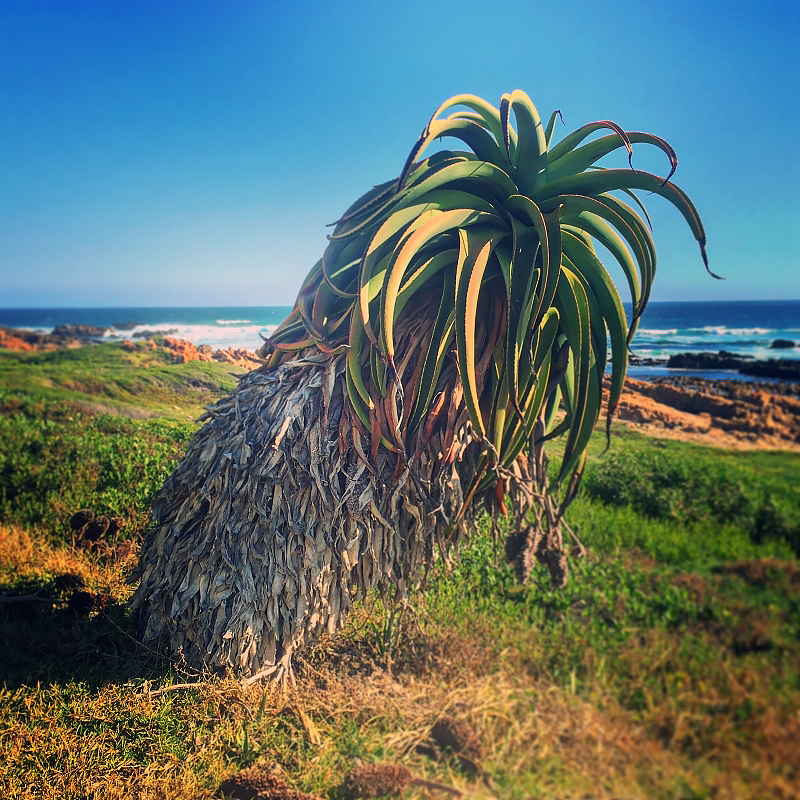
x: 28, y: 557
x: 134, y: 733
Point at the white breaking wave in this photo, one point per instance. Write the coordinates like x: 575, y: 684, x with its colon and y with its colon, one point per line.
x: 233, y: 322
x: 724, y: 330
x: 220, y: 337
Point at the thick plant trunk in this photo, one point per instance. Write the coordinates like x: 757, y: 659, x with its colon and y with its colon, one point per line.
x: 275, y: 521
x: 285, y: 510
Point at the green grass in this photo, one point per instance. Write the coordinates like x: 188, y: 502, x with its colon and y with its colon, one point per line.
x: 107, y: 378
x: 56, y: 459
x: 669, y: 666
x: 95, y: 427
x: 731, y: 493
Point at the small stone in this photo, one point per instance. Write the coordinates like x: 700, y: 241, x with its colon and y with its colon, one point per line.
x: 458, y: 736
x: 376, y: 780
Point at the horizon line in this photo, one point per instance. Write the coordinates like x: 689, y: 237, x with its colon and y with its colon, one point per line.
x: 290, y: 305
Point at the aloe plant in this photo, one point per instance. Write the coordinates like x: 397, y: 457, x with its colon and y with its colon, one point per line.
x: 455, y: 332
x: 504, y: 232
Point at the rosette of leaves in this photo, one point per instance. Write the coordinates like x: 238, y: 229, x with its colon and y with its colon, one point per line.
x: 505, y: 235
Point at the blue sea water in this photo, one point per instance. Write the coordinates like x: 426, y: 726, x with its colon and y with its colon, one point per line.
x: 218, y: 326
x: 743, y: 327
x: 746, y: 328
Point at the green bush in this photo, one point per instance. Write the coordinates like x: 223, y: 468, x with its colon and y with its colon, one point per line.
x: 693, y: 488
x: 54, y: 459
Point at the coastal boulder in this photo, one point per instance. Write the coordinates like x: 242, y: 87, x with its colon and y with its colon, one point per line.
x: 79, y: 331
x: 785, y: 369
x: 721, y: 360
x: 235, y: 355
x: 10, y: 341
x: 181, y: 351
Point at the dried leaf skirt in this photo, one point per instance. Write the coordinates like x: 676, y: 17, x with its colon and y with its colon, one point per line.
x: 274, y: 522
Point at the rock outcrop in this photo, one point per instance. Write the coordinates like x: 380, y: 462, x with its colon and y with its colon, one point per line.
x: 721, y: 360
x: 70, y: 336
x: 18, y: 339
x: 780, y: 368
x: 148, y: 334
x: 785, y: 369
x: 183, y: 352
x: 10, y: 339
x: 729, y: 413
x: 79, y: 331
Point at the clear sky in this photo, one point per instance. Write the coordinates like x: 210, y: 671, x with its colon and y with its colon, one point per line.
x: 190, y: 152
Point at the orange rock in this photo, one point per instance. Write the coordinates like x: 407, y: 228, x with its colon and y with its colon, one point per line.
x: 11, y: 342
x: 181, y: 350
x: 205, y: 352
x: 744, y: 417
x: 236, y: 356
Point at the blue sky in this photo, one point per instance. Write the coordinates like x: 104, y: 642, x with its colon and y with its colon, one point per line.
x: 191, y: 153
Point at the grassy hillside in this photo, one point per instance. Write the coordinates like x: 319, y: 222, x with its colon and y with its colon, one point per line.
x: 107, y: 378
x: 96, y: 426
x: 668, y: 668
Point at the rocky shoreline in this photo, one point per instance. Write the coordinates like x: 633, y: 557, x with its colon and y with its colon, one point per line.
x: 726, y: 413
x: 783, y: 369
x: 734, y: 413
x: 71, y: 336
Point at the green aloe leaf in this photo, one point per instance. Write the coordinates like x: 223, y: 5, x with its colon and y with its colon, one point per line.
x: 602, y: 181
x: 433, y: 225
x: 531, y: 155
x: 476, y: 247
x: 584, y: 261
x: 440, y: 340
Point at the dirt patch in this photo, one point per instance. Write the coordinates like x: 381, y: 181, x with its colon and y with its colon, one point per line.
x: 764, y: 572
x: 695, y: 585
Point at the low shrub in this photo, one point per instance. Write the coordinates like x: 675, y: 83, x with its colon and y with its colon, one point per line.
x: 54, y: 459
x: 690, y: 488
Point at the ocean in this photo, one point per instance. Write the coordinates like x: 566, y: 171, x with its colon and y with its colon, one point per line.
x: 746, y: 328
x: 218, y: 326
